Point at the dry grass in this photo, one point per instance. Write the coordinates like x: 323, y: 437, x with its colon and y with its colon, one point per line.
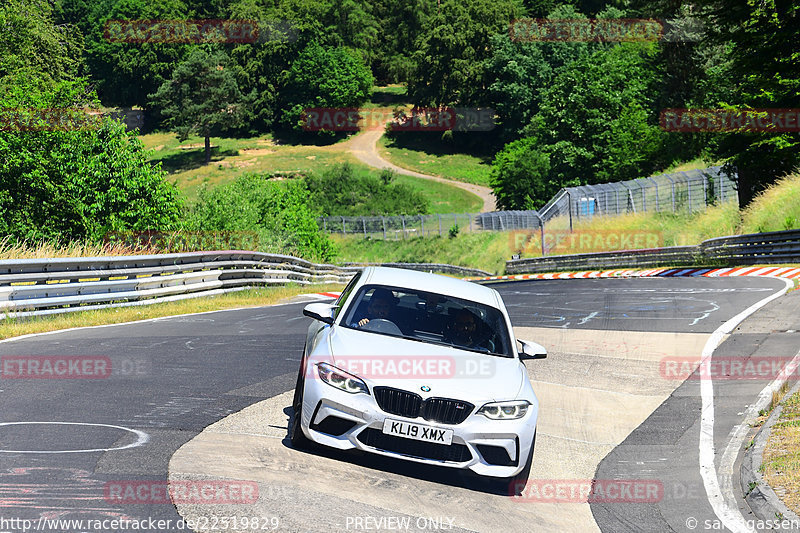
x: 11, y: 327
x: 781, y: 466
x: 45, y: 250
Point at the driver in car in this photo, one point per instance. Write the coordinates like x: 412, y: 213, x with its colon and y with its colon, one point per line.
x: 381, y: 305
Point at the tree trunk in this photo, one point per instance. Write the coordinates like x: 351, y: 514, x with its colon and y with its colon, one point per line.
x: 208, y: 149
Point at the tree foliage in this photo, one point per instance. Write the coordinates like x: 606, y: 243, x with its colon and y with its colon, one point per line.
x: 63, y: 184
x: 324, y: 77
x: 280, y: 213
x: 520, y: 176
x: 201, y: 97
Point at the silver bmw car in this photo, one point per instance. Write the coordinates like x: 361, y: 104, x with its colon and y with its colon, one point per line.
x: 419, y: 367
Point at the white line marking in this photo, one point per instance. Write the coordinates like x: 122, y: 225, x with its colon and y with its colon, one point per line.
x: 724, y: 505
x: 141, y: 437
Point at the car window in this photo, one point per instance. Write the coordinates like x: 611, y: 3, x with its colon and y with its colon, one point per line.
x: 429, y: 317
x: 346, y: 294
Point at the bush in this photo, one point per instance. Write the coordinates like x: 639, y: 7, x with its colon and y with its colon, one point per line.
x: 343, y: 191
x: 280, y: 213
x: 519, y: 176
x: 63, y: 183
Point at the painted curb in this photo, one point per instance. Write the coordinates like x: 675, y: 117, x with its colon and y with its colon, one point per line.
x: 775, y: 272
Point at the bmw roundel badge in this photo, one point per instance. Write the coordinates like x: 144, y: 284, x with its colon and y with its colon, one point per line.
x: 425, y: 388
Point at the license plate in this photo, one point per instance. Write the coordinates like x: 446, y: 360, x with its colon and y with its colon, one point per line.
x: 410, y: 430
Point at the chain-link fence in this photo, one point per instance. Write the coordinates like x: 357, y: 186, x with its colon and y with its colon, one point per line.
x: 680, y: 191
x: 691, y: 190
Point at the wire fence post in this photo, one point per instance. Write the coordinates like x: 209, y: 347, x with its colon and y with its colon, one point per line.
x: 344, y: 228
x: 440, y: 225
x: 403, y: 217
x: 383, y: 222
x: 364, y: 225
x: 422, y: 225
x: 541, y: 231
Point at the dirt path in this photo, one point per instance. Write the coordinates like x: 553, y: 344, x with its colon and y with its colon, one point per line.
x: 364, y: 147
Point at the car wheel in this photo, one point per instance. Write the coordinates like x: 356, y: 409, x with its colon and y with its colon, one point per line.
x: 516, y: 484
x: 296, y: 435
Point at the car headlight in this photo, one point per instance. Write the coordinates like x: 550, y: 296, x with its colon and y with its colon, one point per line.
x: 504, y: 410
x: 341, y: 379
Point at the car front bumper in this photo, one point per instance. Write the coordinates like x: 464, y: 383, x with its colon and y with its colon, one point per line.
x: 478, y: 442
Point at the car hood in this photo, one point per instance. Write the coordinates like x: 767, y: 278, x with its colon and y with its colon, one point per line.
x: 382, y: 360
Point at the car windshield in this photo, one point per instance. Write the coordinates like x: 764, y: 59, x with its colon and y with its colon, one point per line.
x: 429, y: 317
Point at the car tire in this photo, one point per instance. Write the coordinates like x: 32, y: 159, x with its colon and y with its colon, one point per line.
x: 516, y: 484
x: 296, y: 436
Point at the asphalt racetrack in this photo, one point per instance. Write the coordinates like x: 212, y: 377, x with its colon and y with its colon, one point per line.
x: 198, y: 398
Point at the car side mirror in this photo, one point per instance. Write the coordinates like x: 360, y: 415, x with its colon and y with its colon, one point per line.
x: 532, y: 350
x: 320, y: 311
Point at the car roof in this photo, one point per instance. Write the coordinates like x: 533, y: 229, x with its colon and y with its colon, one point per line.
x: 435, y: 283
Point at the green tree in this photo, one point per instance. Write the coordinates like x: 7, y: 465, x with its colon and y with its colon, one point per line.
x: 596, y: 118
x: 520, y: 70
x: 323, y: 77
x: 127, y: 72
x: 202, y: 97
x: 31, y: 44
x: 520, y: 176
x: 79, y: 181
x: 448, y: 64
x: 763, y: 43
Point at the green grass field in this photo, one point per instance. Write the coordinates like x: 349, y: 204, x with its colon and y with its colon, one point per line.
x: 233, y: 157
x: 436, y: 157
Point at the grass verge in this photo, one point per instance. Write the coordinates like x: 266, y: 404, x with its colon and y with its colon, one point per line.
x: 484, y: 250
x: 781, y: 465
x: 436, y: 157
x: 11, y: 327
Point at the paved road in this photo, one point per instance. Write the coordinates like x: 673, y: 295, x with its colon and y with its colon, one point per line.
x: 173, y: 377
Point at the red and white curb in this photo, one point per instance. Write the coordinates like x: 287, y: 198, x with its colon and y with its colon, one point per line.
x: 775, y: 272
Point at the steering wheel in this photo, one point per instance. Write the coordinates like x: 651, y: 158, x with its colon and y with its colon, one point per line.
x: 381, y: 325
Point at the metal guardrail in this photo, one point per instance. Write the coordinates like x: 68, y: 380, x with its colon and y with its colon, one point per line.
x: 50, y: 286
x: 756, y: 248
